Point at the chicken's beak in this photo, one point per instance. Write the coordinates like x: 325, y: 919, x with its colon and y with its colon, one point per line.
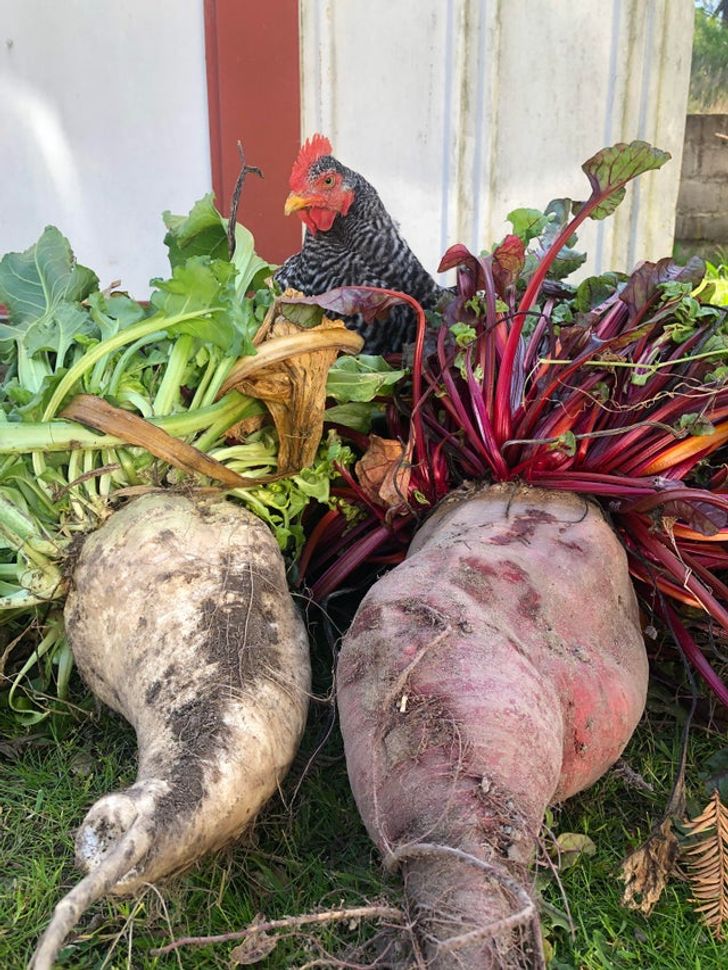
x: 295, y: 202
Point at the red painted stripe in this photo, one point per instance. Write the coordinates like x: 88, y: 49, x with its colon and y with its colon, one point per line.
x: 253, y: 89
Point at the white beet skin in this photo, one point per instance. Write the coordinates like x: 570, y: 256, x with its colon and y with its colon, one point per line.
x: 499, y: 669
x: 180, y: 619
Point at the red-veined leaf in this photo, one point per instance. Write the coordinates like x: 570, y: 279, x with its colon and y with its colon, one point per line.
x: 610, y: 169
x: 508, y: 259
x: 369, y: 301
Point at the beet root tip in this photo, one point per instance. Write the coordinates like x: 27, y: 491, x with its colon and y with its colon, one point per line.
x: 131, y: 849
x: 499, y: 923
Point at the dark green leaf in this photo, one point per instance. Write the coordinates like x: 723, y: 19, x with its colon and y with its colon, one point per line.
x: 34, y: 283
x: 197, y: 284
x: 562, y: 314
x: 558, y: 212
x: 200, y: 233
x: 596, y: 289
x: 644, y: 283
x: 360, y: 378
x: 567, y: 260
x: 207, y: 285
x: 114, y: 312
x: 675, y: 289
x: 610, y: 169
x: 306, y: 315
x: 42, y: 288
x: 57, y: 332
x: 203, y: 232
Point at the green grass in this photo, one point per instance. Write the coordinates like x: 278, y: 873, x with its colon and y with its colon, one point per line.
x: 315, y: 853
x: 618, y: 817
x: 310, y: 854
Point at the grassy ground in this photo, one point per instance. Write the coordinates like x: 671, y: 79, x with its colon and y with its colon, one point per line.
x: 314, y: 853
x: 617, y: 815
x: 308, y: 854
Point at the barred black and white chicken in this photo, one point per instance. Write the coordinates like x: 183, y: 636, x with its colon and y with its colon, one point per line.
x: 351, y: 239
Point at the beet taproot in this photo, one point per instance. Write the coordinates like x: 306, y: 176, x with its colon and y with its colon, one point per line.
x: 180, y: 619
x: 500, y: 668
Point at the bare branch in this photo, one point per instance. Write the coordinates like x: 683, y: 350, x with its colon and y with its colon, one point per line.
x: 289, y: 922
x: 245, y: 169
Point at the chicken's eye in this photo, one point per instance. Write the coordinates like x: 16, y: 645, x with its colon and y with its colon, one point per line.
x: 328, y: 180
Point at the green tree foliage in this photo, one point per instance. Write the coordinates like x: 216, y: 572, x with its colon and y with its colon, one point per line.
x: 709, y: 73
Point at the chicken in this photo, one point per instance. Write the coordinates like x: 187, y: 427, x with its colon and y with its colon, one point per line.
x: 351, y: 239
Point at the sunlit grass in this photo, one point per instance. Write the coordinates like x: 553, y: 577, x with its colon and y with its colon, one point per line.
x: 314, y: 853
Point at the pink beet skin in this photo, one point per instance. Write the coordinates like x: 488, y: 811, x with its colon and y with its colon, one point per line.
x: 500, y: 668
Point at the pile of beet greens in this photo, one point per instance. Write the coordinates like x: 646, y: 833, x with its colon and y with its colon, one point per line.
x: 615, y: 389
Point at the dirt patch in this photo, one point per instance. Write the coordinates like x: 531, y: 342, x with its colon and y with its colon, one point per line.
x: 529, y: 604
x: 198, y: 728
x: 241, y: 633
x: 239, y: 648
x: 427, y: 615
x: 422, y: 725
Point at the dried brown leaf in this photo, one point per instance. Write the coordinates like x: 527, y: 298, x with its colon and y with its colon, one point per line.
x: 289, y: 374
x: 706, y: 861
x: 255, y: 947
x: 280, y: 346
x: 647, y: 870
x: 384, y: 471
x: 99, y: 414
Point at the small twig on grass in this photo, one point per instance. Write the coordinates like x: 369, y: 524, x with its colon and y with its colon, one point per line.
x: 245, y: 169
x: 546, y: 861
x: 128, y: 925
x: 167, y: 920
x: 287, y: 923
x: 633, y: 779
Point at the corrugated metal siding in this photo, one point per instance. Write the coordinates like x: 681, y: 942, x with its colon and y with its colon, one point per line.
x: 460, y: 110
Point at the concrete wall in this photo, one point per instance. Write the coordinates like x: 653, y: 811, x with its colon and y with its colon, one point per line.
x: 103, y: 125
x: 460, y: 110
x: 702, y: 205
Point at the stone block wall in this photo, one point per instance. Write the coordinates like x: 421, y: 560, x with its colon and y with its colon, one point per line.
x: 702, y: 205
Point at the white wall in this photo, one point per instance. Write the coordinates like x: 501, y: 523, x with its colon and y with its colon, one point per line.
x: 457, y: 110
x: 460, y: 110
x: 103, y: 125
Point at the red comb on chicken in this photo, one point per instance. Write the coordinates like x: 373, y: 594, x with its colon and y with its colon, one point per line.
x: 351, y: 239
x: 310, y: 151
x: 317, y: 195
